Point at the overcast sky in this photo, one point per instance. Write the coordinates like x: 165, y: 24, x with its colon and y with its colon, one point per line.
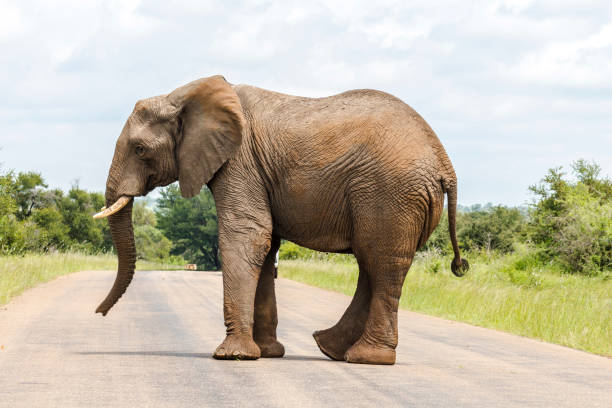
x: 512, y: 88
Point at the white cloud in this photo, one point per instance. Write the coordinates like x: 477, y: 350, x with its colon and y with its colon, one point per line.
x: 582, y: 62
x: 10, y: 21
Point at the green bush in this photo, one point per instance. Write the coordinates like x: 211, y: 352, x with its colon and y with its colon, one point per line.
x: 439, y: 240
x: 584, y: 234
x: 151, y: 244
x: 496, y: 228
x: 85, y: 233
x: 54, y: 233
x: 35, y: 219
x: 8, y: 205
x: 290, y: 250
x: 431, y: 259
x: 11, y: 235
x: 480, y: 228
x: 571, y: 220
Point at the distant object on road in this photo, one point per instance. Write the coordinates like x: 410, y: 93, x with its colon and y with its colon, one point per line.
x: 276, y: 266
x: 191, y: 267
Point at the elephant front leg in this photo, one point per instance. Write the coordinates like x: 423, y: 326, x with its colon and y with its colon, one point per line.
x: 266, y: 319
x: 242, y: 261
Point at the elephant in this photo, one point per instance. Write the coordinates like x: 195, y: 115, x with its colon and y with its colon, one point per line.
x: 359, y: 172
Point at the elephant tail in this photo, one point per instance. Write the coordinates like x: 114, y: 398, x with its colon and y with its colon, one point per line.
x: 458, y: 266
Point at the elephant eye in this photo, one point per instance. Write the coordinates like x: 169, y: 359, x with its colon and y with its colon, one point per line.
x: 139, y: 150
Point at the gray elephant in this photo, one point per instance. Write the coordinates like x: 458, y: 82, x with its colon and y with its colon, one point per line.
x: 360, y: 172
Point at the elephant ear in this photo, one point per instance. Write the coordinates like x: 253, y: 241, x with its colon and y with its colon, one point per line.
x: 211, y: 130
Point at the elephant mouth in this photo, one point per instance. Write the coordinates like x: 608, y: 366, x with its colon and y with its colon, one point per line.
x: 156, y: 181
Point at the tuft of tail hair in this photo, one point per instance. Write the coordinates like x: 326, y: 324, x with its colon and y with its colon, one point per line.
x: 458, y: 266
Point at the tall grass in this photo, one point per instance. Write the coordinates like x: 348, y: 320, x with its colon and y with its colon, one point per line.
x: 18, y: 273
x: 513, y: 293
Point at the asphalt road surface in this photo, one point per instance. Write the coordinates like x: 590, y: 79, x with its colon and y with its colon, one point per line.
x: 154, y: 350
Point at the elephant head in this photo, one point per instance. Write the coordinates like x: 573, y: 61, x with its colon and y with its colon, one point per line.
x: 186, y: 135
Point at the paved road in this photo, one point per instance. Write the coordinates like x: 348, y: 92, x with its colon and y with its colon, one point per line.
x: 154, y: 350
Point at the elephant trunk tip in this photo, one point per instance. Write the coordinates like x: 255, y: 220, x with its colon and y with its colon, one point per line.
x: 119, y: 287
x: 103, y: 309
x: 102, y: 312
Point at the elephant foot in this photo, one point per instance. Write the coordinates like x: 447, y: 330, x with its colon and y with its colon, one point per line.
x: 331, y: 343
x: 363, y: 353
x: 271, y: 348
x: 237, y: 347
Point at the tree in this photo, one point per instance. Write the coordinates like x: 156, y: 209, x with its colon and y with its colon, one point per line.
x: 29, y: 188
x: 54, y: 233
x: 488, y: 228
x: 495, y: 228
x: 571, y: 220
x: 151, y: 244
x: 191, y: 225
x: 11, y: 235
x: 8, y: 205
x: 84, y: 232
x: 34, y: 218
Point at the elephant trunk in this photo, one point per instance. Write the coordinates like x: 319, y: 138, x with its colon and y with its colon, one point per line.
x: 122, y: 234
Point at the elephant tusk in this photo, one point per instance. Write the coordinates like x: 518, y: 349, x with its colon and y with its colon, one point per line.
x: 103, y: 208
x: 119, y: 204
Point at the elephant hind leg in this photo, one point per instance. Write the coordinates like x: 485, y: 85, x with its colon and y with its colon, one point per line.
x: 379, y: 339
x: 335, y: 341
x: 265, y: 316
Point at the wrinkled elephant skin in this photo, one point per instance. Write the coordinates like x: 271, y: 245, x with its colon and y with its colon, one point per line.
x: 360, y: 172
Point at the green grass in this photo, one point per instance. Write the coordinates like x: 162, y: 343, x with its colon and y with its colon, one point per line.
x: 18, y: 273
x: 510, y: 293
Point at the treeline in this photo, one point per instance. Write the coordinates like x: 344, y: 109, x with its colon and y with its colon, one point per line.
x: 567, y: 226
x: 34, y: 218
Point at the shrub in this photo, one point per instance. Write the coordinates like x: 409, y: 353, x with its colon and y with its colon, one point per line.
x: 11, y: 235
x: 439, y: 240
x: 496, y: 228
x: 571, y: 220
x: 151, y: 244
x: 8, y: 204
x: 488, y: 228
x: 54, y: 233
x: 289, y: 250
x: 85, y: 233
x: 583, y: 239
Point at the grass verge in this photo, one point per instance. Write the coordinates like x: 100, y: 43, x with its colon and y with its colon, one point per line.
x: 18, y: 273
x: 510, y: 293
